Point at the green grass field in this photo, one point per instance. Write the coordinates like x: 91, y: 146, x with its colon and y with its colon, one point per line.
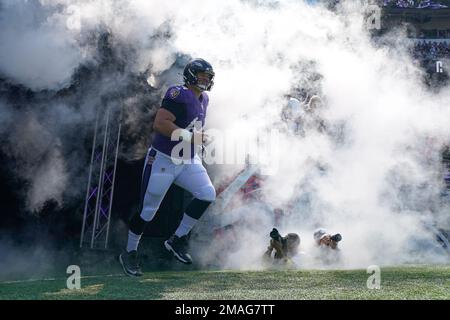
x: 408, y: 282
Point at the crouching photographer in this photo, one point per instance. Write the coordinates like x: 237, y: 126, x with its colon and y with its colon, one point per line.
x: 327, y: 244
x: 284, y: 248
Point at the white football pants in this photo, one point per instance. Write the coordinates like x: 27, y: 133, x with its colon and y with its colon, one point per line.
x: 159, y: 174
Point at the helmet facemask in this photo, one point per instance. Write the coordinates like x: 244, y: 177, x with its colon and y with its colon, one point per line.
x: 205, y: 85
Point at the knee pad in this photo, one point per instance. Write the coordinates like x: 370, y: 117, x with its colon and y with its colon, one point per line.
x: 206, y: 193
x: 196, y: 208
x: 137, y: 224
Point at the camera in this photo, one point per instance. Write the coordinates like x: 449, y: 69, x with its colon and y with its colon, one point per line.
x: 275, y: 235
x: 336, y: 238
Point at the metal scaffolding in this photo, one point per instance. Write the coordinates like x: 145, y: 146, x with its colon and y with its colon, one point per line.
x: 102, y: 173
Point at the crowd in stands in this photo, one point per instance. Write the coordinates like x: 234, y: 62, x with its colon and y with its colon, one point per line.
x: 419, y: 4
x: 431, y: 50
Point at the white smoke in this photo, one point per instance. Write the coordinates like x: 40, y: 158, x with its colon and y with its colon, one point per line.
x: 32, y: 39
x: 41, y: 159
x: 261, y: 52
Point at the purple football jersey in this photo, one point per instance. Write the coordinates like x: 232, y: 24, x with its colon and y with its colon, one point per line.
x: 188, y: 109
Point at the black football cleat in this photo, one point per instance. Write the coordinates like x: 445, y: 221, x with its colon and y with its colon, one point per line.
x: 130, y: 263
x: 178, y: 247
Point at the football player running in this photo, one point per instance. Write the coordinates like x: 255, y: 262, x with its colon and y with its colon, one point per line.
x: 169, y: 160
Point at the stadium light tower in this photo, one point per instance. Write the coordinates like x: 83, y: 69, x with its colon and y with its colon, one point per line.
x: 102, y: 173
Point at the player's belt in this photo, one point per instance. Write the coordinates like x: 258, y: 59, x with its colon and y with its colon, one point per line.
x: 152, y: 152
